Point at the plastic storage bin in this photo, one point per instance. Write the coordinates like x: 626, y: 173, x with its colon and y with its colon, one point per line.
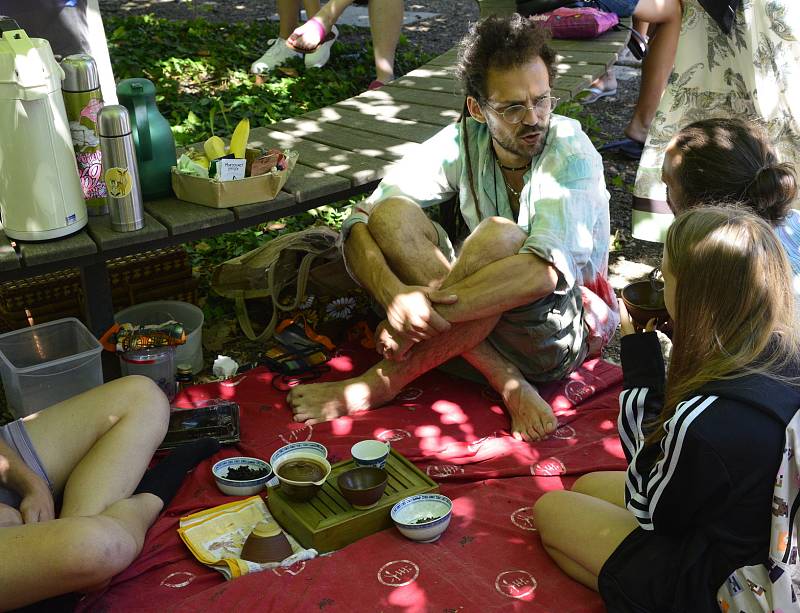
x: 48, y: 363
x: 159, y: 311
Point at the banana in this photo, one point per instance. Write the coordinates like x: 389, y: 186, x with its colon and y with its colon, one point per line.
x: 239, y: 138
x: 214, y: 148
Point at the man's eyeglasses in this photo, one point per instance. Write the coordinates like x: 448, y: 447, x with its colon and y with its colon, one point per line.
x: 516, y: 113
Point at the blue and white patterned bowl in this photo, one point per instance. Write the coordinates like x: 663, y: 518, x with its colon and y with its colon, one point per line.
x: 303, y: 446
x: 413, y: 509
x: 232, y: 487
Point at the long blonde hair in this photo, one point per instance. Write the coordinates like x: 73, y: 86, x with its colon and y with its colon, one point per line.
x: 734, y: 307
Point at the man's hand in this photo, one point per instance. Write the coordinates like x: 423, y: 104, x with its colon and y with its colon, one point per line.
x: 37, y: 503
x: 9, y: 516
x: 411, y: 312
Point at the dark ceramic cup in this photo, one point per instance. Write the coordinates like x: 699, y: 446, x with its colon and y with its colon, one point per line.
x: 363, y: 487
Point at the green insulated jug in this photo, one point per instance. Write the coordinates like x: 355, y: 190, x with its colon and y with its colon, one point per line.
x: 152, y: 137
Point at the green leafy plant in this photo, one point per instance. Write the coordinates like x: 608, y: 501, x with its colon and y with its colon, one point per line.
x: 200, y: 71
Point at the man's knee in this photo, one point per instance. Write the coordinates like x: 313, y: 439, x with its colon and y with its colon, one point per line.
x: 496, y: 238
x: 95, y: 549
x: 399, y: 220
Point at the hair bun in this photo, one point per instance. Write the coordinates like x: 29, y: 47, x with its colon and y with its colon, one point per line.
x: 772, y: 191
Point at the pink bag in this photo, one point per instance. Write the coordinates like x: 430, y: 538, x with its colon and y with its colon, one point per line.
x: 578, y: 22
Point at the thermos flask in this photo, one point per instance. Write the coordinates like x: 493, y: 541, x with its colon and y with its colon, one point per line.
x: 120, y: 172
x: 40, y: 194
x: 83, y: 101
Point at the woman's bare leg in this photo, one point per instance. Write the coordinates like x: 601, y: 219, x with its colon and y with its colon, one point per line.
x: 96, y: 446
x: 658, y: 62
x: 385, y: 22
x: 581, y: 532
x: 47, y: 559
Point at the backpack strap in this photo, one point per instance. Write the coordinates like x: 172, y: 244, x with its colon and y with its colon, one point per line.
x: 275, y: 285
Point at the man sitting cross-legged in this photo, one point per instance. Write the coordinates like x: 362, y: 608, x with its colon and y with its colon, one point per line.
x: 531, y: 192
x: 90, y: 452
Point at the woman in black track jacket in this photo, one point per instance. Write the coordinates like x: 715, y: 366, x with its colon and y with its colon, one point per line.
x: 704, y: 444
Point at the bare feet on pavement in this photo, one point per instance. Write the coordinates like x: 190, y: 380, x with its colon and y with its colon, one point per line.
x: 532, y: 419
x: 318, y: 402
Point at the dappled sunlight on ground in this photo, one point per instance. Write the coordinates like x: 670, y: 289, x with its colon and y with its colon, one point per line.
x: 622, y: 271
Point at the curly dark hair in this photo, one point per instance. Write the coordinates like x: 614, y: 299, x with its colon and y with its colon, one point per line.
x: 500, y: 43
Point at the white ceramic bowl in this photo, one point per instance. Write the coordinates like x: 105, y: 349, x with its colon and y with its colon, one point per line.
x: 306, y: 446
x: 408, y: 512
x: 232, y: 487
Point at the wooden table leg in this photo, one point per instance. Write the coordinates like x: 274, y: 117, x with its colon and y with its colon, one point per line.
x: 99, y: 311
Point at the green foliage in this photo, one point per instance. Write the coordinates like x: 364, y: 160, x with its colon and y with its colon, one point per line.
x: 578, y: 111
x: 200, y: 70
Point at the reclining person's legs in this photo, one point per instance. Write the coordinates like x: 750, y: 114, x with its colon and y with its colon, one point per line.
x: 72, y: 554
x: 96, y: 446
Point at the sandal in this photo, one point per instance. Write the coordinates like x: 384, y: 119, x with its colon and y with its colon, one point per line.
x: 592, y: 94
x: 324, y: 36
x: 626, y: 146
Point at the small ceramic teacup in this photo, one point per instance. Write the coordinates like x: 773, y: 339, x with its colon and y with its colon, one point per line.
x: 370, y: 453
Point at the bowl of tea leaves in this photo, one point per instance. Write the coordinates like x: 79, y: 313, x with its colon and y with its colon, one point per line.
x: 241, y: 476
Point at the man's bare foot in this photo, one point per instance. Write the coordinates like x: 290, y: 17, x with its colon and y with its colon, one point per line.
x: 390, y: 343
x: 318, y: 402
x: 532, y: 419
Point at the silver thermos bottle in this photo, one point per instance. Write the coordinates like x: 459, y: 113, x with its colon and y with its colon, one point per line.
x: 83, y: 101
x: 120, y: 172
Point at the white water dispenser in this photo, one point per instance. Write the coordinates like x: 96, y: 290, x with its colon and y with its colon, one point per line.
x: 40, y: 191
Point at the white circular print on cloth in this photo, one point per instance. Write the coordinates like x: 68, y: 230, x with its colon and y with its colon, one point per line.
x: 390, y: 436
x: 578, y: 391
x: 515, y: 584
x: 549, y: 467
x: 563, y: 433
x: 178, y: 580
x: 442, y: 471
x: 398, y: 573
x: 299, y: 435
x: 523, y: 518
x: 294, y: 569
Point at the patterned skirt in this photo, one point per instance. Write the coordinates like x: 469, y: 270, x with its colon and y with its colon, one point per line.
x: 753, y: 72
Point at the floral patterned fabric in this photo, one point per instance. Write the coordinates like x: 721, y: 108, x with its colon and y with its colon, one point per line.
x: 752, y: 73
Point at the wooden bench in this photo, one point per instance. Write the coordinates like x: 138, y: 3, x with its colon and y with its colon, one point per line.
x: 344, y: 150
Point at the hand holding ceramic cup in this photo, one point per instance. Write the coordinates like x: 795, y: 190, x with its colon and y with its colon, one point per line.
x: 370, y: 453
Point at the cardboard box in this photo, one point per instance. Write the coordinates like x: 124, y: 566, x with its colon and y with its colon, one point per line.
x: 224, y: 194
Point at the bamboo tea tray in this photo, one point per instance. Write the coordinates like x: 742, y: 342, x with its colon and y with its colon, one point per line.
x: 327, y: 522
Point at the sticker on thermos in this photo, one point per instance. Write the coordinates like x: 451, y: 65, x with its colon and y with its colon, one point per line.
x: 118, y: 182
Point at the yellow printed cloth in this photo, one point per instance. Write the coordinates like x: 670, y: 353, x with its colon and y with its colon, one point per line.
x: 216, y: 537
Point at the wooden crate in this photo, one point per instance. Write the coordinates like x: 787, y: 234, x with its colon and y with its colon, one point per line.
x: 327, y: 522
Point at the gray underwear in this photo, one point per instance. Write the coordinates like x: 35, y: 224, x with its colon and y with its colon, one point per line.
x: 15, y: 436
